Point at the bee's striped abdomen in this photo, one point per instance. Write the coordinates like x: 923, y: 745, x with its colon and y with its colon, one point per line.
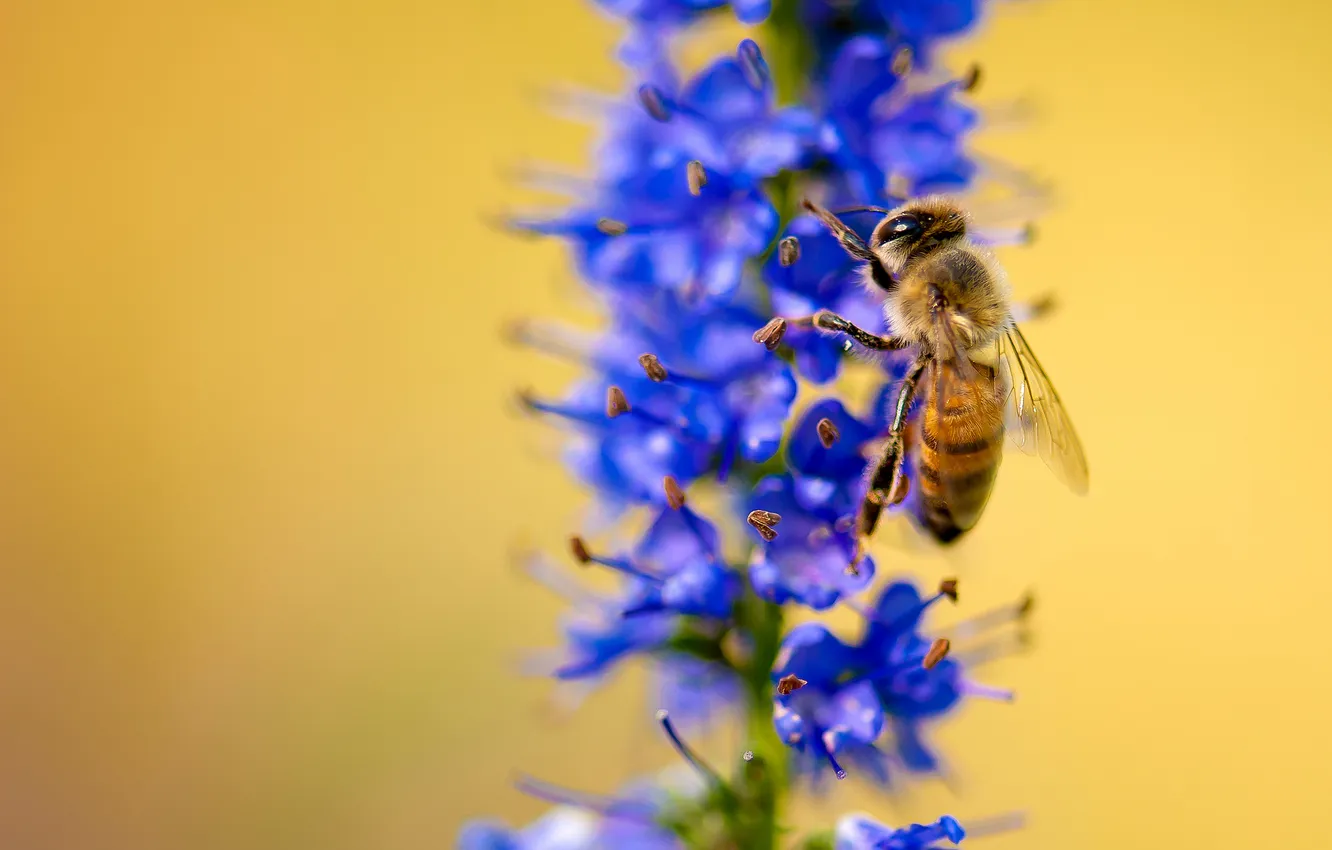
x: 956, y: 456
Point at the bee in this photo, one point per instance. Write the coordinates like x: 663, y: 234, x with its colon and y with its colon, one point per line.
x: 948, y: 306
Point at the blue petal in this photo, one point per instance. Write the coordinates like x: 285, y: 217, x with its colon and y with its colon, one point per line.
x: 752, y: 11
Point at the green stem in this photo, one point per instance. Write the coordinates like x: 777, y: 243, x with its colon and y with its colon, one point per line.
x: 763, y: 778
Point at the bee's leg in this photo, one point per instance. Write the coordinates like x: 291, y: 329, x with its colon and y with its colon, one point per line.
x: 887, y: 486
x: 830, y: 321
x: 854, y: 245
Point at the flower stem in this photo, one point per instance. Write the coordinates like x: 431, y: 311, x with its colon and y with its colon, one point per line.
x: 763, y: 779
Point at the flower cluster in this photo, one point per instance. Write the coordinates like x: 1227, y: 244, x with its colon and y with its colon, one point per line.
x: 690, y: 235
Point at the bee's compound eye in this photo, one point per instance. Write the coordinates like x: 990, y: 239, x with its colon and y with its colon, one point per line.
x: 902, y: 227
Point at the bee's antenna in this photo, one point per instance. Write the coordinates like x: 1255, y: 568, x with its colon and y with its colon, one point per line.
x: 845, y: 210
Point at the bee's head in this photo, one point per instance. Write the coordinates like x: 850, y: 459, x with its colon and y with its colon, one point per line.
x: 916, y: 229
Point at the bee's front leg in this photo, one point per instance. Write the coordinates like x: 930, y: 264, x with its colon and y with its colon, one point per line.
x: 887, y: 485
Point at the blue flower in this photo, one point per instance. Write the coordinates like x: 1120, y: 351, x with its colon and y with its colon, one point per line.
x: 880, y: 130
x: 918, y: 24
x: 677, y: 586
x: 720, y: 398
x: 814, y: 712
x: 824, y: 278
x: 562, y: 828
x: 861, y: 832
x: 649, y: 226
x: 807, y: 560
x: 676, y: 12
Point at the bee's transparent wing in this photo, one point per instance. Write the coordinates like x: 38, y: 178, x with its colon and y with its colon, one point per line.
x: 1035, y: 418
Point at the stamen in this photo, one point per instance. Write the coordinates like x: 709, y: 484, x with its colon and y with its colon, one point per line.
x: 697, y: 177
x: 616, y: 403
x: 974, y: 689
x: 579, y: 549
x: 675, y: 497
x: 770, y: 335
x: 765, y: 517
x: 827, y: 752
x: 584, y: 556
x: 938, y: 652
x: 948, y: 587
x: 788, y: 251
x: 611, y: 227
x: 654, y: 101
x: 901, y: 63
x: 997, y: 824
x: 971, y: 80
x: 608, y: 806
x: 828, y: 432
x: 652, y: 366
x: 789, y: 684
x: 664, y: 718
x: 531, y: 402
x: 752, y: 63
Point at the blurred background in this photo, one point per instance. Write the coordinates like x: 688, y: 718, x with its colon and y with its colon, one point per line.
x: 260, y: 479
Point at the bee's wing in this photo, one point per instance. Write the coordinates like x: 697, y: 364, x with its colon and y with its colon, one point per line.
x: 1035, y: 418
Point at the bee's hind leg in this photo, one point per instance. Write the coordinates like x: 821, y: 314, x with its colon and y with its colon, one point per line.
x: 887, y: 485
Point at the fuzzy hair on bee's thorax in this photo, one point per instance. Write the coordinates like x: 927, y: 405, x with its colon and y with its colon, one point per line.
x: 946, y: 286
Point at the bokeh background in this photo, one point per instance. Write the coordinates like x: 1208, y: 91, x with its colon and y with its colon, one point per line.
x: 260, y: 479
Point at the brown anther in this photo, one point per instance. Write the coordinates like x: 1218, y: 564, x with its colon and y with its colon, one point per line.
x: 901, y: 64
x: 948, y: 587
x: 1028, y: 233
x: 1025, y: 604
x: 527, y: 399
x: 844, y: 524
x: 579, y: 549
x: 790, y: 683
x: 675, y: 497
x: 616, y: 403
x: 818, y: 535
x: 652, y: 366
x: 654, y: 103
x: 788, y: 251
x: 770, y: 335
x: 828, y: 432
x: 971, y: 80
x: 763, y: 522
x: 765, y: 517
x: 938, y: 652
x: 697, y: 177
x: 611, y: 227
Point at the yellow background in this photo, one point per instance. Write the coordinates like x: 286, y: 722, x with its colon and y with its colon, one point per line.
x: 259, y: 481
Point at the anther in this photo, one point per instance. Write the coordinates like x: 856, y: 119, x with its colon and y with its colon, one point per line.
x: 654, y: 101
x: 828, y: 432
x: 611, y: 227
x: 578, y: 547
x: 616, y: 403
x: 971, y: 80
x: 901, y: 64
x: 1025, y: 604
x: 788, y: 251
x: 752, y: 63
x: 697, y: 177
x: 938, y: 652
x: 770, y: 335
x: 948, y: 587
x: 789, y: 684
x: 675, y: 497
x: 763, y: 522
x: 652, y: 366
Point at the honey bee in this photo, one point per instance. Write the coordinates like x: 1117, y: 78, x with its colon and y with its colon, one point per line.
x: 947, y: 304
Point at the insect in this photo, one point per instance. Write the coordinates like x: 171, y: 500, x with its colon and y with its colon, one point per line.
x: 948, y: 306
